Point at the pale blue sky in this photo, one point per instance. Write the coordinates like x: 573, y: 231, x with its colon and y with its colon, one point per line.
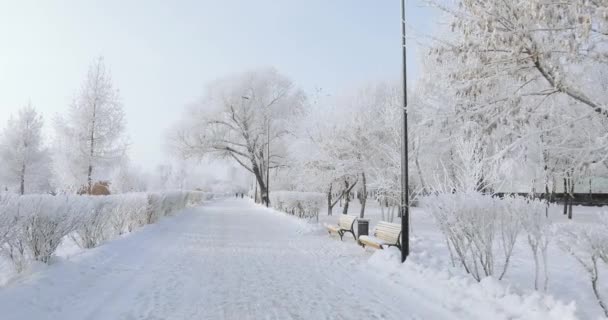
x: 161, y: 53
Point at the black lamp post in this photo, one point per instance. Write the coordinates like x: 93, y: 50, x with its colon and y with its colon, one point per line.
x: 405, y: 206
x: 268, y: 162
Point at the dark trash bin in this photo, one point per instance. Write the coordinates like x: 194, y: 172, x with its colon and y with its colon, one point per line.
x: 362, y: 227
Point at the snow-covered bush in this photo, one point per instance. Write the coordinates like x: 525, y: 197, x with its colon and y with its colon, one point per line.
x: 44, y: 221
x: 12, y: 245
x: 481, y: 230
x: 93, y: 221
x: 33, y: 226
x: 539, y: 230
x: 301, y: 204
x: 7, y: 214
x: 130, y: 213
x: 588, y: 244
x: 154, y: 207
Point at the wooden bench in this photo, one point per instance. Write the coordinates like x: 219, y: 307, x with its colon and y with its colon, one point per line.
x: 385, y: 234
x: 345, y: 224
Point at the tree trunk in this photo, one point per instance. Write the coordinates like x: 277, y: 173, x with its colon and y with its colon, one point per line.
x: 553, y: 188
x: 263, y: 190
x: 422, y: 182
x: 346, y: 197
x: 22, y: 180
x: 565, y: 197
x: 547, y: 195
x: 329, y: 206
x: 346, y: 194
x: 571, y: 198
x: 363, y: 195
x: 92, y: 146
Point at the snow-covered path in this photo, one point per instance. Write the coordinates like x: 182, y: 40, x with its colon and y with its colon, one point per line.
x: 226, y: 260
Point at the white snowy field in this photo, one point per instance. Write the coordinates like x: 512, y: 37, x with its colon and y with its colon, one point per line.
x: 568, y: 281
x: 232, y: 259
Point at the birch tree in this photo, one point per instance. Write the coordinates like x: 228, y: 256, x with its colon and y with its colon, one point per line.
x: 90, y: 141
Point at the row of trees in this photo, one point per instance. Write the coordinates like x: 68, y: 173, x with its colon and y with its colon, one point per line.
x: 88, y: 144
x: 512, y: 98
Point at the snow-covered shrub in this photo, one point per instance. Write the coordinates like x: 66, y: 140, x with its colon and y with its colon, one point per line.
x: 130, y: 213
x: 588, y: 244
x: 154, y: 207
x: 301, y: 204
x: 45, y: 221
x: 538, y: 228
x: 196, y: 198
x: 12, y: 244
x: 93, y: 220
x: 173, y: 200
x: 33, y: 226
x: 481, y: 230
x: 121, y: 215
x: 7, y: 215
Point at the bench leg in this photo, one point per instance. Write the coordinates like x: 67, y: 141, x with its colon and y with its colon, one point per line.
x: 353, y: 233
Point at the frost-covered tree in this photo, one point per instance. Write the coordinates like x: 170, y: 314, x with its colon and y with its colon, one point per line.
x: 351, y: 143
x: 529, y: 68
x: 128, y: 178
x: 24, y: 158
x: 237, y: 118
x: 90, y: 140
x: 544, y: 48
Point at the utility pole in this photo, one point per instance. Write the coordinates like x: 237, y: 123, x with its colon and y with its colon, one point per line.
x: 405, y: 205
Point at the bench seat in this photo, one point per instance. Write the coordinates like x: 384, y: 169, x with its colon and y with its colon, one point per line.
x: 346, y: 224
x: 372, y: 241
x: 385, y: 234
x: 333, y: 228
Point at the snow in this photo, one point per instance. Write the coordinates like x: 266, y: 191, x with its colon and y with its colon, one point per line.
x: 232, y: 259
x: 568, y: 282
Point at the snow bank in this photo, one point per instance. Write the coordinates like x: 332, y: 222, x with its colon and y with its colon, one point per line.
x: 32, y: 227
x: 300, y: 204
x: 303, y: 226
x: 489, y: 298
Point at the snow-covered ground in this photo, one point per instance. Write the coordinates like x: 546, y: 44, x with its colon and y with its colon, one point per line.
x: 231, y: 259
x: 568, y: 281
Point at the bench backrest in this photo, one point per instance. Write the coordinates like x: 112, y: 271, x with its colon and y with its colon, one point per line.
x: 346, y: 221
x: 388, y: 232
